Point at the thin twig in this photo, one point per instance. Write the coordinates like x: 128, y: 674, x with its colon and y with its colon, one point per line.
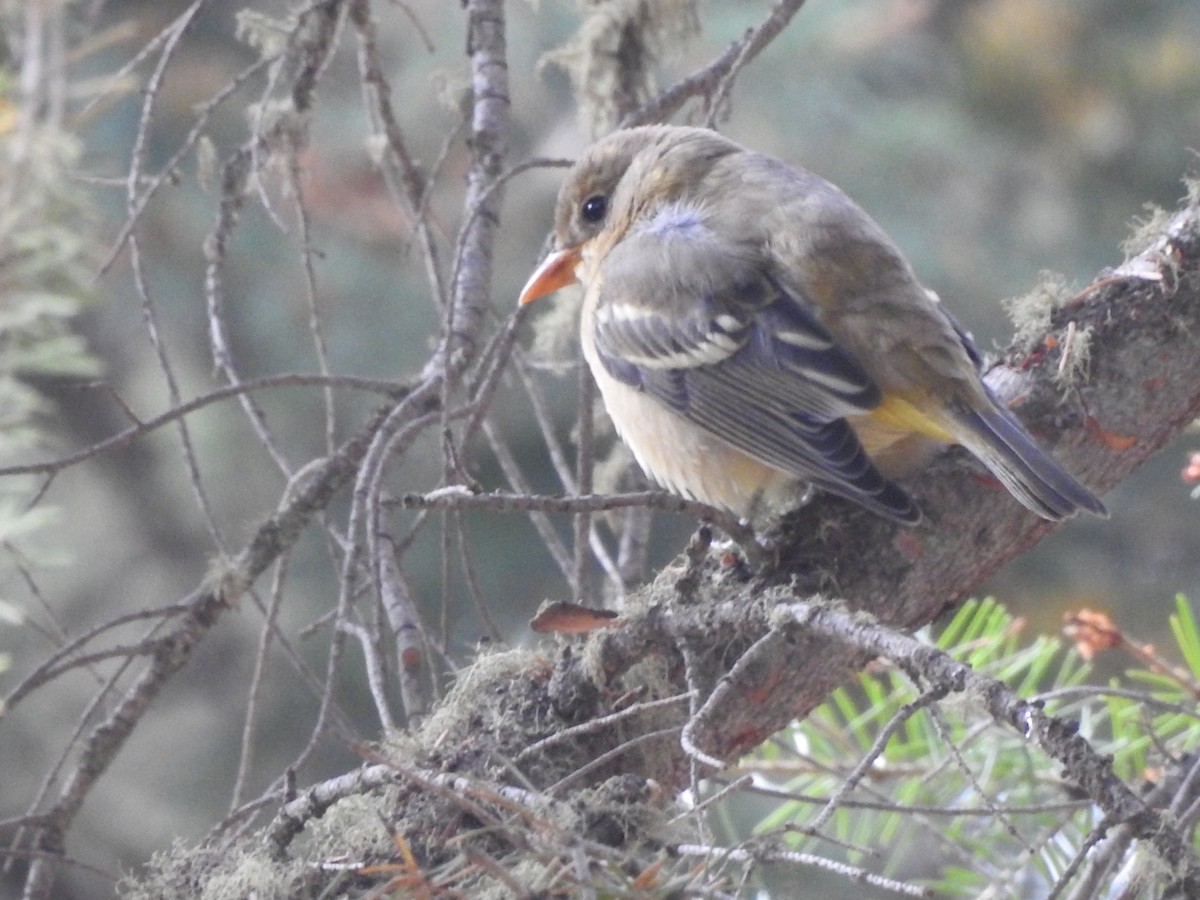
x: 129, y: 435
x: 254, y: 689
x: 600, y: 723
x: 926, y: 700
x: 706, y: 82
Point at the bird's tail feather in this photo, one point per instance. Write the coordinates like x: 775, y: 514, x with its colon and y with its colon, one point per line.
x: 1030, y: 474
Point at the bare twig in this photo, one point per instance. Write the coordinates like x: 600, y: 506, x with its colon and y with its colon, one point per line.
x: 459, y: 497
x: 129, y: 435
x: 149, y: 307
x: 715, y: 79
x: 769, y: 854
x: 401, y: 171
x: 599, y: 724
x: 407, y: 632
x: 254, y: 689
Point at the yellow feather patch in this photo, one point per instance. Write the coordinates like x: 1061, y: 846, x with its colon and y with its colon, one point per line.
x: 898, y: 437
x: 898, y: 415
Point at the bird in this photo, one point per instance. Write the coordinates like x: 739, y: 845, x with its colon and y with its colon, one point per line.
x: 755, y: 334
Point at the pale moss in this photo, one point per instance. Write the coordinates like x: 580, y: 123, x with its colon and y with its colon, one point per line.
x: 452, y: 87
x: 612, y: 57
x: 1146, y: 230
x: 530, y: 873
x: 210, y: 874
x: 252, y: 874
x: 1192, y: 186
x: 399, y: 744
x: 556, y: 331
x: 467, y: 699
x: 266, y: 34
x: 224, y: 579
x: 353, y: 828
x: 1031, y: 312
x: 1075, y: 362
x: 650, y: 674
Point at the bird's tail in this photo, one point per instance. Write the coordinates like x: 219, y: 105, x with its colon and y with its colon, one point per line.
x: 1003, y: 445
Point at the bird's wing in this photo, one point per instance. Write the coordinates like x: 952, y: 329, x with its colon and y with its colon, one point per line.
x: 698, y: 322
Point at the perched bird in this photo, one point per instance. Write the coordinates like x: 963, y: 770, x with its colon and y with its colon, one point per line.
x: 753, y: 331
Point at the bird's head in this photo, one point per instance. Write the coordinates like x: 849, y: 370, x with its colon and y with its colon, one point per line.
x: 620, y: 178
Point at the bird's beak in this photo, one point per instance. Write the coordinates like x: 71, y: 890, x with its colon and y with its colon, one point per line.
x: 556, y: 271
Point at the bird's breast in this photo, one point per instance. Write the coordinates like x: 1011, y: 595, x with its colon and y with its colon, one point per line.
x: 681, y: 456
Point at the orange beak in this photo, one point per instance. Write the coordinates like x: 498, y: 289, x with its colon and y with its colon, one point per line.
x: 556, y: 271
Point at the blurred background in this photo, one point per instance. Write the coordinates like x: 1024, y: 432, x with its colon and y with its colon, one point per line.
x: 994, y: 139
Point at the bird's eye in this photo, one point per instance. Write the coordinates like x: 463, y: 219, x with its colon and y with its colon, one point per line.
x: 594, y: 208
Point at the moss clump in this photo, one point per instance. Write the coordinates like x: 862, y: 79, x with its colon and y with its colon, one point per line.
x: 1031, y: 312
